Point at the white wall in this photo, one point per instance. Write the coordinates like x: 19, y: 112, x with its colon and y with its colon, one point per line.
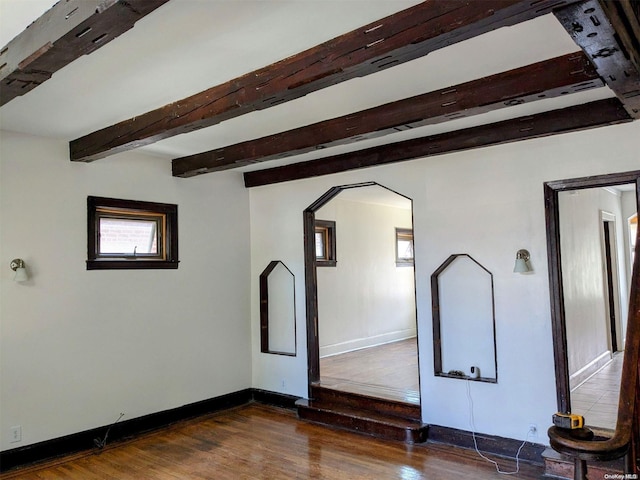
x: 365, y: 299
x: 488, y: 203
x: 584, y: 284
x: 78, y: 347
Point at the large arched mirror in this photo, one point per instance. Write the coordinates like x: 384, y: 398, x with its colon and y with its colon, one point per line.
x: 361, y: 293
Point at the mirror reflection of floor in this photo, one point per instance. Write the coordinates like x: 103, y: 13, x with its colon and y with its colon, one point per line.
x: 597, y: 398
x: 387, y: 371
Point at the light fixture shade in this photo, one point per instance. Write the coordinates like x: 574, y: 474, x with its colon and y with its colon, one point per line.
x: 18, y: 266
x: 21, y: 275
x: 520, y: 266
x: 522, y: 257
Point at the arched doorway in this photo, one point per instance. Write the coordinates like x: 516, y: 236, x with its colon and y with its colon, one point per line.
x: 360, y: 286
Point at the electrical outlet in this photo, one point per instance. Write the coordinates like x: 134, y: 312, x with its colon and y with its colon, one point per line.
x: 15, y: 435
x: 533, y: 430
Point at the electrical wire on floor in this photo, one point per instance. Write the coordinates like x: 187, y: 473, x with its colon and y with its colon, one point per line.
x: 475, y: 443
x: 101, y: 443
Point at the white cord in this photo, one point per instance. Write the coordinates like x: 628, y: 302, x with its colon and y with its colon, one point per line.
x: 475, y: 443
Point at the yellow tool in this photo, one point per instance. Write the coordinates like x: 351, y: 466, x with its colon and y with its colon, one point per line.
x: 568, y: 420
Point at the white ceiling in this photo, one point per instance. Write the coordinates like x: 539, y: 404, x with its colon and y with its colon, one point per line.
x: 187, y: 46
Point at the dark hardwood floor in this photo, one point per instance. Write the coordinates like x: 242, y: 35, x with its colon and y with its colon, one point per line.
x: 258, y: 441
x: 386, y: 371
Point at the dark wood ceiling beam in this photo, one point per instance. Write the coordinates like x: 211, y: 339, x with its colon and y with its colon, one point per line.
x: 609, y: 34
x: 547, y: 79
x: 67, y: 31
x: 580, y: 117
x: 395, y: 39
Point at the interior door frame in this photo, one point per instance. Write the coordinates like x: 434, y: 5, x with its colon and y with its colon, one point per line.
x: 311, y: 278
x: 611, y: 275
x: 556, y: 293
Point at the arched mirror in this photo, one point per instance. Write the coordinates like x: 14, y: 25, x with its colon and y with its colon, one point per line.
x: 277, y: 310
x: 464, y: 320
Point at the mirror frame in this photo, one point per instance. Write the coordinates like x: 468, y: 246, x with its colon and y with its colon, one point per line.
x: 437, y: 333
x: 556, y: 293
x: 264, y: 311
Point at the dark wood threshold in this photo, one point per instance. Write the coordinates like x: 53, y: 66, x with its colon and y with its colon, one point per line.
x: 364, y: 414
x: 363, y: 401
x: 370, y: 422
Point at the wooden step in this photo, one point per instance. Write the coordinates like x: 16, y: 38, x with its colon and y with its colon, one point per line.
x: 370, y: 422
x: 557, y: 465
x: 358, y: 401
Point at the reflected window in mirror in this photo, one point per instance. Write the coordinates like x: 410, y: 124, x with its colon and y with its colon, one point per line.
x: 325, y: 238
x: 404, y: 247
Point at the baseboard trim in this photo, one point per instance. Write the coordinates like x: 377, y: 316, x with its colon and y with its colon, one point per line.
x: 491, y: 444
x: 76, y: 442
x: 367, y: 342
x: 582, y: 375
x: 275, y: 399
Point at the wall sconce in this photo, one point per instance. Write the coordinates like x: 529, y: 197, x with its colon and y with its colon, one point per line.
x: 18, y: 266
x: 522, y: 262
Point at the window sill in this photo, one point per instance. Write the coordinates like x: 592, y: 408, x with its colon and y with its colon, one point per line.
x: 138, y: 264
x: 326, y: 263
x: 404, y: 264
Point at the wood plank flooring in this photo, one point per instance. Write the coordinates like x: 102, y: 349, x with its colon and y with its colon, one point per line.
x: 386, y: 371
x: 262, y: 442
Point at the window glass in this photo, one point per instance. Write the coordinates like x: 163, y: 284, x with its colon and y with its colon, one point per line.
x: 124, y: 236
x: 320, y: 250
x: 325, y: 239
x: 404, y: 246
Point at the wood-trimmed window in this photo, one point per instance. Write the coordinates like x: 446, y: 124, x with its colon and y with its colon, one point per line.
x: 130, y: 234
x: 404, y: 247
x: 325, y: 231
